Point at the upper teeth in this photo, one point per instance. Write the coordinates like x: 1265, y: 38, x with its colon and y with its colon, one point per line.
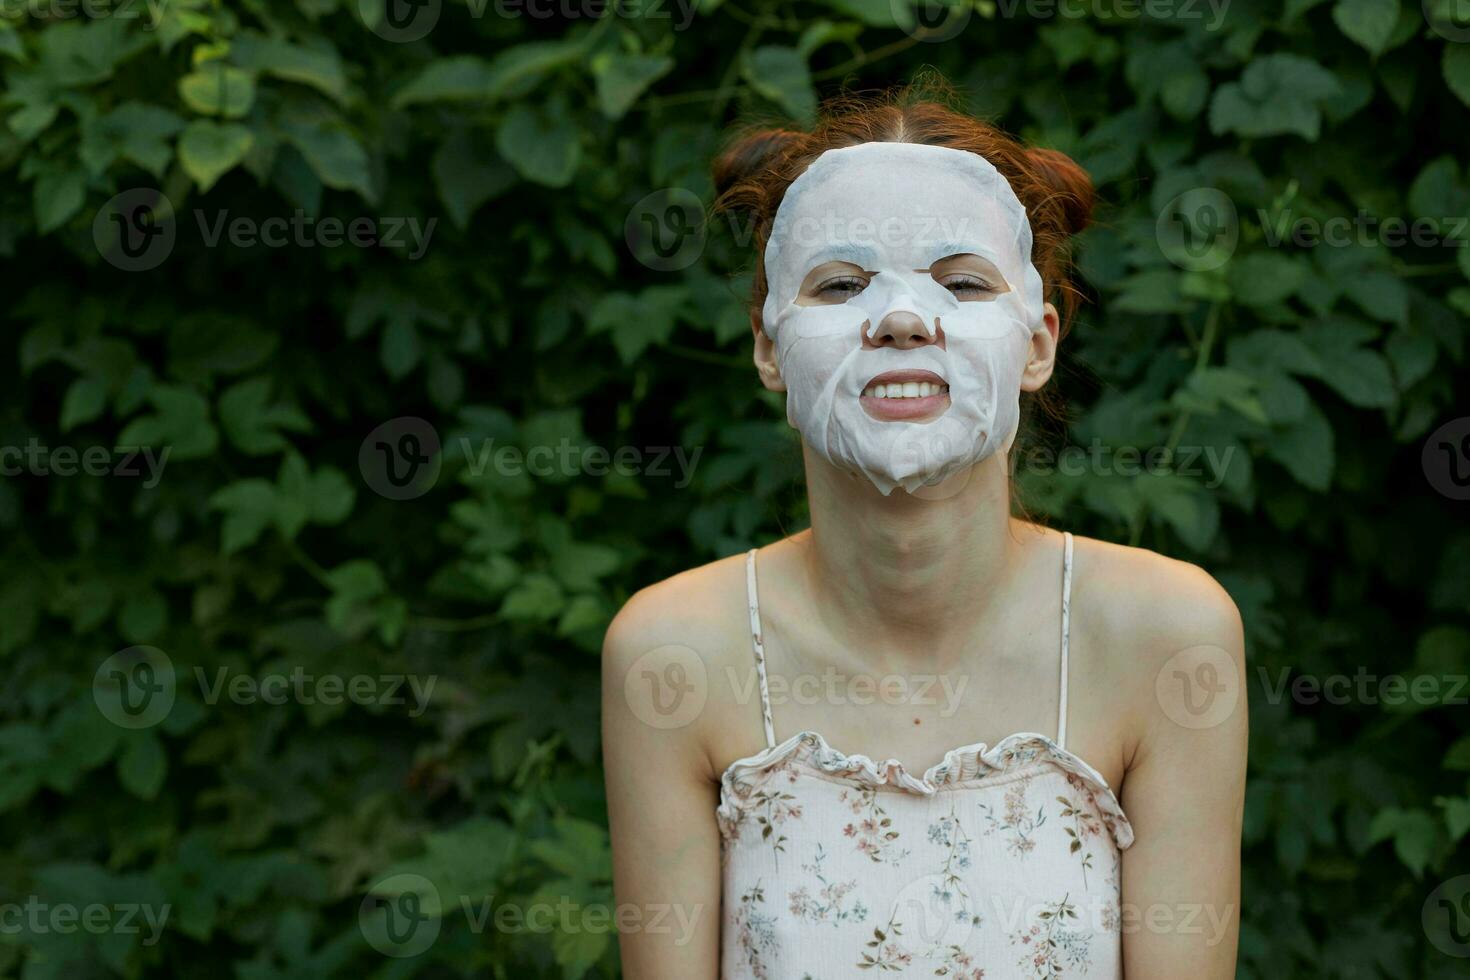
x: 907, y: 389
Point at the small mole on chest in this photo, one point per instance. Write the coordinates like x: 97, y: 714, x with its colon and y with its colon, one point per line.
x: 916, y: 721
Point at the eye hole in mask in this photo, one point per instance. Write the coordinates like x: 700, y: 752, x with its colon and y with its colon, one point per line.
x: 968, y: 277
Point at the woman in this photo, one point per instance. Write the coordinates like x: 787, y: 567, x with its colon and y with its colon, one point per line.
x: 1088, y: 824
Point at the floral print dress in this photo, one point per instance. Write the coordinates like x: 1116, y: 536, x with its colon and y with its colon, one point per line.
x: 998, y: 862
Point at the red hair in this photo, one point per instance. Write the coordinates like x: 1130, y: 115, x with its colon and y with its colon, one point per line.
x: 756, y: 166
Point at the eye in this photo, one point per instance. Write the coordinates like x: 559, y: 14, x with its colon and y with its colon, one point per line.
x: 842, y: 288
x: 967, y: 286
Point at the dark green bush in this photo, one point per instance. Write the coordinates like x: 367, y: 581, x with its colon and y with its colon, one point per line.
x: 270, y: 545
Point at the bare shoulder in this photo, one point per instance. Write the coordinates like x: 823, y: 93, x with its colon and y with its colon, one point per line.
x: 669, y: 656
x: 1142, y: 602
x: 1166, y: 640
x: 696, y: 608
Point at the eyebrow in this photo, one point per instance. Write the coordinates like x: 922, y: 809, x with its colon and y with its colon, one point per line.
x: 862, y: 255
x: 946, y: 249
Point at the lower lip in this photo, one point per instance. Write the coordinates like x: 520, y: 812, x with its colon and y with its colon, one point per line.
x: 904, y: 409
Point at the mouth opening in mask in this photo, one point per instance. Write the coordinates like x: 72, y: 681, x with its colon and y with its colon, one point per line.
x: 905, y: 396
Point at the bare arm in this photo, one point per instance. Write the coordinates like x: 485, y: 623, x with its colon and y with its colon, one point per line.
x: 1185, y: 792
x: 661, y: 801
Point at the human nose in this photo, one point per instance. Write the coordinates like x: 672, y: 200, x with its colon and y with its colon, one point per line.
x: 901, y: 330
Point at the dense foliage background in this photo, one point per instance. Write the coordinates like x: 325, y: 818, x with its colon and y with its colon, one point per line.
x: 554, y: 304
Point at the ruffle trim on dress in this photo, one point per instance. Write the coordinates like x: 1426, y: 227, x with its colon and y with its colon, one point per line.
x: 967, y: 763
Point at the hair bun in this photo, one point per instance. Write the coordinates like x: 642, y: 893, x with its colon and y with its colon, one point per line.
x: 1070, y: 188
x: 748, y: 154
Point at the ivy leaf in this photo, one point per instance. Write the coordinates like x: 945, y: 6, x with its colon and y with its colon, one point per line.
x: 1412, y: 832
x: 1306, y: 449
x: 1277, y: 94
x: 218, y: 89
x: 332, y: 152
x: 467, y: 175
x: 84, y: 401
x: 302, y: 496
x: 536, y: 598
x: 320, y: 68
x: 252, y: 423
x: 143, y: 765
x: 1368, y: 22
x: 781, y: 74
x: 1456, y: 67
x: 622, y: 78
x: 58, y: 195
x: 466, y: 77
x: 180, y: 423
x: 636, y: 321
x: 541, y: 142
x: 249, y: 507
x: 208, y: 150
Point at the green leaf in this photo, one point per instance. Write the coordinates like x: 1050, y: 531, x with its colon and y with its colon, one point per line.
x: 84, y: 401
x: 1380, y: 294
x: 208, y: 150
x: 468, y: 175
x: 541, y: 142
x: 252, y: 423
x: 1368, y: 22
x: 1306, y: 449
x: 249, y: 507
x: 320, y: 68
x: 218, y: 89
x: 1456, y: 67
x: 781, y: 74
x: 1457, y: 817
x: 536, y: 598
x: 180, y: 423
x: 1277, y: 94
x: 143, y: 765
x: 1412, y: 832
x: 622, y: 78
x: 58, y: 195
x: 332, y: 152
x: 637, y: 321
x: 1458, y: 756
x: 1265, y: 279
x: 302, y: 496
x: 466, y: 77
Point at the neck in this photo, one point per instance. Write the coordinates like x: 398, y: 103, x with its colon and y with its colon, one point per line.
x: 887, y: 570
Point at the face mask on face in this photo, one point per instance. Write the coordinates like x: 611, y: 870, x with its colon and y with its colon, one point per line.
x: 894, y: 210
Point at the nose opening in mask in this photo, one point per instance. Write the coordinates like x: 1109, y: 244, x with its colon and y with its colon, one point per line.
x: 898, y: 299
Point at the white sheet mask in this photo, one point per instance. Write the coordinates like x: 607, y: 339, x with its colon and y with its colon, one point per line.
x: 895, y: 209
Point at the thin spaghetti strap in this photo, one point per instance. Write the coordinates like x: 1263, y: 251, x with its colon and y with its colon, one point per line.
x: 753, y: 600
x: 1066, y: 630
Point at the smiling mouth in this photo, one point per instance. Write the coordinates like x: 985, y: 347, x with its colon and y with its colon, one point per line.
x: 905, y: 396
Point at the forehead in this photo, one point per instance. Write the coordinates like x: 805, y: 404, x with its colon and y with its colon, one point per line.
x: 918, y: 209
